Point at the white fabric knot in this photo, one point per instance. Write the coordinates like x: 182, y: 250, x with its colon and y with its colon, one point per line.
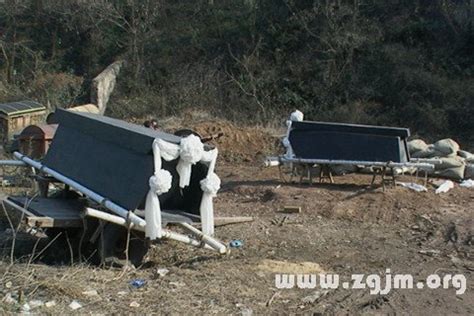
x: 191, y: 152
x: 161, y: 181
x: 296, y: 116
x: 211, y: 184
x: 191, y: 149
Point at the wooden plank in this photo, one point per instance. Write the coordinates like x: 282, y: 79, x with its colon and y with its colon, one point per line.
x: 47, y: 213
x: 17, y: 207
x: 222, y: 221
x: 291, y: 209
x: 43, y: 221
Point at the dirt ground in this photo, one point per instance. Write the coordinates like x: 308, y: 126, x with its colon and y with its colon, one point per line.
x: 345, y: 228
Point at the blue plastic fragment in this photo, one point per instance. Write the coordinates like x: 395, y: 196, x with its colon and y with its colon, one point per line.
x: 137, y: 283
x: 236, y: 243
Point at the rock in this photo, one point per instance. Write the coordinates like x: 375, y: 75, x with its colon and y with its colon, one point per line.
x: 134, y: 304
x: 90, y: 293
x: 75, y: 305
x: 50, y: 304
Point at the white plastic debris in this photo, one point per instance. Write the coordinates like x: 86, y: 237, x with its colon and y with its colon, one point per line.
x: 469, y: 183
x: 413, y: 186
x: 8, y: 284
x: 50, y: 304
x: 134, y: 304
x: 75, y: 305
x: 162, y: 272
x: 25, y: 308
x: 445, y: 187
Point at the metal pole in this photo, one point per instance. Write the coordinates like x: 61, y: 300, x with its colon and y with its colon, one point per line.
x: 208, y: 240
x: 364, y: 163
x: 12, y: 163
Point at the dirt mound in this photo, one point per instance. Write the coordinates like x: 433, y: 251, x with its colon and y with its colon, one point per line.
x: 238, y: 143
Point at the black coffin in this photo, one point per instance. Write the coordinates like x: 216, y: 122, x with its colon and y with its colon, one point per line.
x: 114, y: 159
x: 336, y: 141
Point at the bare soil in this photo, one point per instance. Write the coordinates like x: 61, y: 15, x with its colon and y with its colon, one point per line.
x: 346, y: 227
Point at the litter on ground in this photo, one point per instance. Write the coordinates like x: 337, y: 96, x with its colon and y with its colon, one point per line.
x: 445, y: 187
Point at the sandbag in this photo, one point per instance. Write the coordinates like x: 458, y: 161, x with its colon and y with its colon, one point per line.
x: 340, y: 170
x: 469, y: 171
x: 416, y: 145
x: 366, y: 170
x: 403, y: 170
x: 469, y: 157
x: 428, y: 152
x: 446, y: 147
x: 456, y: 173
x: 450, y: 162
x: 465, y: 154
